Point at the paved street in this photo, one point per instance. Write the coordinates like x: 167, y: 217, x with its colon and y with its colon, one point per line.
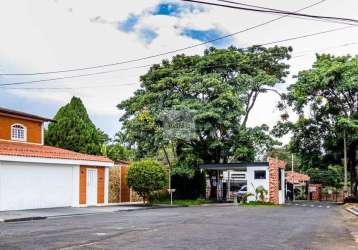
x: 321, y: 226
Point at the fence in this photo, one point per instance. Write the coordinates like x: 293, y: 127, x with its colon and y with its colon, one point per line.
x: 221, y: 189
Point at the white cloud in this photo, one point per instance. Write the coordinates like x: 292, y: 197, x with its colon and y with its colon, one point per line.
x: 41, y: 35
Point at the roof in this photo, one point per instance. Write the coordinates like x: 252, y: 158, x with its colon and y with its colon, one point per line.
x: 42, y: 151
x: 23, y: 114
x: 121, y: 162
x: 295, y: 178
x: 228, y: 166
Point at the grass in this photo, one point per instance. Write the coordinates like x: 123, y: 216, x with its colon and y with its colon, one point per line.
x: 258, y: 204
x: 181, y: 202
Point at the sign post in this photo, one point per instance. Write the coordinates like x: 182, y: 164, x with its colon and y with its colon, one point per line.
x: 171, y: 191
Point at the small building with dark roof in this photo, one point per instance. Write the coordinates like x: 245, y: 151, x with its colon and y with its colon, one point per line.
x: 226, y: 179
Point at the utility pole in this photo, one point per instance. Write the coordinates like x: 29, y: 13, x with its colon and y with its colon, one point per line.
x: 345, y: 162
x: 293, y: 179
x: 170, y: 190
x: 170, y: 186
x: 292, y: 163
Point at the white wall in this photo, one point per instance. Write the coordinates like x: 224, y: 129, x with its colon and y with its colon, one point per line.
x: 106, y: 185
x: 35, y: 185
x: 75, y: 186
x: 252, y: 183
x: 282, y: 192
x: 232, y: 174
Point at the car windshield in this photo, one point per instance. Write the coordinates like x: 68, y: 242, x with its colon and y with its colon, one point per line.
x: 244, y: 188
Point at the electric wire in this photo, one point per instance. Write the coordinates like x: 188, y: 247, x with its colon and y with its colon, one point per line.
x: 105, y: 72
x: 353, y: 21
x: 158, y: 54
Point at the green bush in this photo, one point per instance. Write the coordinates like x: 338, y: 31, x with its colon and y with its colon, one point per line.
x: 146, y: 176
x: 258, y: 203
x: 158, y: 196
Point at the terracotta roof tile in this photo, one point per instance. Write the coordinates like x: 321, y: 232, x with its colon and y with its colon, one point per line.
x: 294, y: 177
x: 42, y: 151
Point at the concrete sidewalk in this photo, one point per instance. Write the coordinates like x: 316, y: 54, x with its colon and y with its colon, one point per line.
x: 38, y: 214
x: 353, y: 208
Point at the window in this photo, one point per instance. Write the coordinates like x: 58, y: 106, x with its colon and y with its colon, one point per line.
x: 238, y: 176
x: 260, y: 174
x: 18, y: 132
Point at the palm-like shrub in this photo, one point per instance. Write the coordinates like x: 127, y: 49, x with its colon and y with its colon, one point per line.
x: 245, y: 196
x: 261, y: 193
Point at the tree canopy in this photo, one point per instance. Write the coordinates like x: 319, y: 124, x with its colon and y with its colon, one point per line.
x: 74, y: 130
x: 220, y: 88
x: 326, y: 99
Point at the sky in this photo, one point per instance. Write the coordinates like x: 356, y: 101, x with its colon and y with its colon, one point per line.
x: 43, y: 35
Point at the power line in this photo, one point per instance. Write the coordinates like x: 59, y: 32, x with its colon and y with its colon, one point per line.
x: 275, y: 11
x: 309, y: 52
x: 254, y: 6
x: 72, y: 88
x: 105, y: 72
x: 307, y: 35
x: 73, y: 76
x: 298, y: 17
x: 300, y: 54
x: 155, y: 55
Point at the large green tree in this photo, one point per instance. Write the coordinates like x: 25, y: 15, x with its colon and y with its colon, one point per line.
x: 221, y: 88
x: 326, y: 99
x: 74, y: 130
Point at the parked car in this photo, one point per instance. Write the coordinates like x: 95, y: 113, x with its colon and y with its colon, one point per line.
x: 241, y: 192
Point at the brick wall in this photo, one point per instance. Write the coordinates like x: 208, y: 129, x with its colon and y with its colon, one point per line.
x: 315, y: 195
x: 119, y: 190
x: 274, y: 166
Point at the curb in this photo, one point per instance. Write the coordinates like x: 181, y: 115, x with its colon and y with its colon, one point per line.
x: 24, y: 219
x: 168, y: 206
x: 33, y: 218
x: 153, y: 207
x: 218, y: 205
x: 351, y: 210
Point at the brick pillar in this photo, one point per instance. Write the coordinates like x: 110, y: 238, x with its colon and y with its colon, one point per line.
x: 274, y: 166
x: 316, y: 191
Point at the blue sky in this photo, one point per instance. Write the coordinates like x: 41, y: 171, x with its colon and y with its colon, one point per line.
x: 147, y: 35
x: 207, y: 35
x: 128, y: 24
x: 167, y: 9
x: 171, y: 9
x: 108, y: 123
x: 175, y: 9
x: 133, y: 23
x: 43, y: 35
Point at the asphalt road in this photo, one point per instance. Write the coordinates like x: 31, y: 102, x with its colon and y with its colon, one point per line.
x: 217, y: 227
